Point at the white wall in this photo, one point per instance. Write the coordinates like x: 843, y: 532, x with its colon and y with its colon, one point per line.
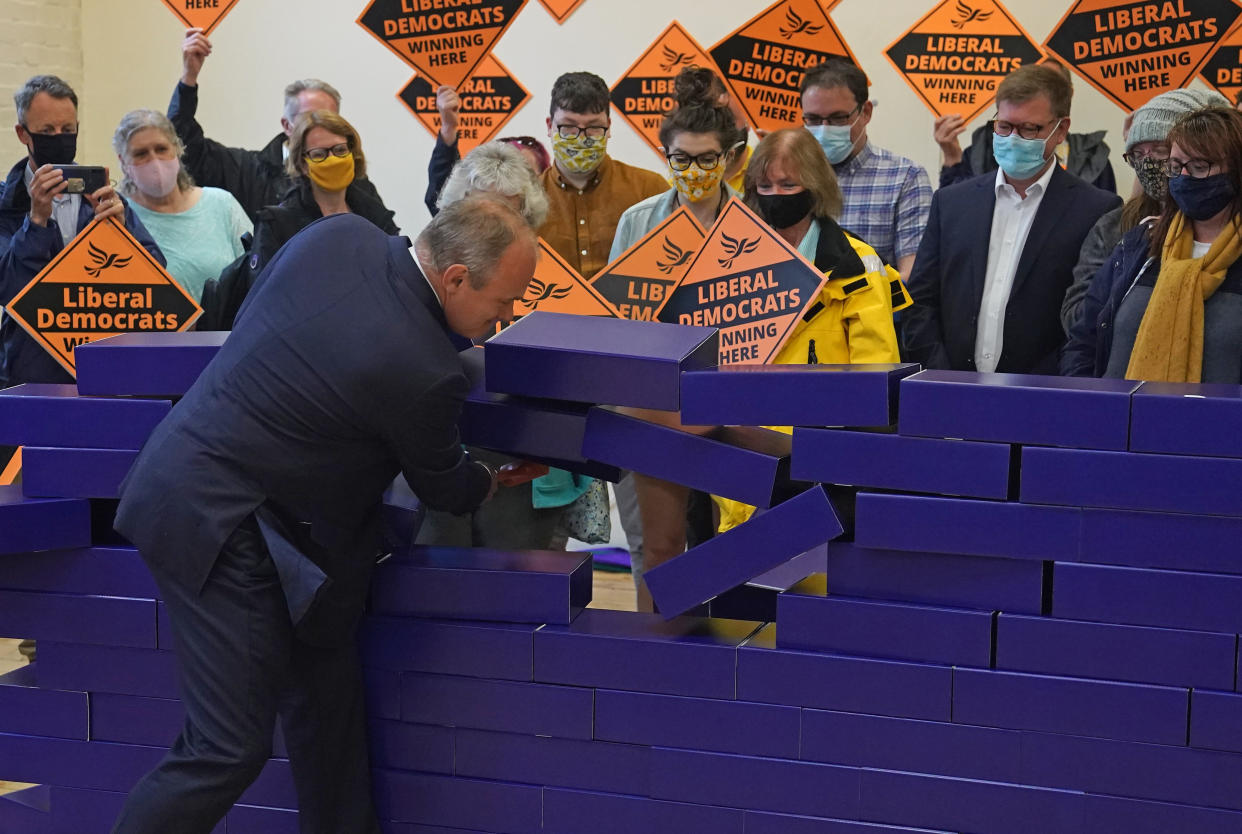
x: 132, y: 59
x: 36, y: 37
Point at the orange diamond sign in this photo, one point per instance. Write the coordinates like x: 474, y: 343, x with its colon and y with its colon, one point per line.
x: 1223, y: 70
x: 747, y: 281
x: 645, y: 93
x: 444, y: 42
x: 101, y: 284
x: 489, y: 98
x: 558, y: 288
x: 1134, y: 51
x: 763, y: 62
x: 201, y: 14
x: 561, y: 9
x: 640, y: 281
x: 955, y: 57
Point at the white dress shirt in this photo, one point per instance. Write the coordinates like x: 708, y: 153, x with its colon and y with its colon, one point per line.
x: 1011, y: 224
x: 64, y: 210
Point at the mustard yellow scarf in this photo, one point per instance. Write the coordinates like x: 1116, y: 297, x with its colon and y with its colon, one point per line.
x: 1169, y: 344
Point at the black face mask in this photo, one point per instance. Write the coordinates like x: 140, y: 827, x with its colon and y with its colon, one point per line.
x: 784, y: 210
x: 55, y: 149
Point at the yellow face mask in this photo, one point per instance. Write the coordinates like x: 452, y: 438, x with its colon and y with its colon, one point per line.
x: 332, y: 174
x: 581, y: 154
x: 694, y: 183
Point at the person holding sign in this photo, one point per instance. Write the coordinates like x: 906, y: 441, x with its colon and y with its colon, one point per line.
x: 256, y: 503
x: 999, y: 308
x: 40, y: 214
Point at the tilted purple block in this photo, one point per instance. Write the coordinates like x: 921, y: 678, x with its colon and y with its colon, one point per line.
x: 75, y: 473
x: 792, y: 395
x: 504, y: 706
x: 26, y: 811
x: 968, y: 804
x: 911, y: 464
x: 1109, y: 814
x: 758, y: 822
x: 31, y: 524
x: 401, y: 746
x: 1133, y: 596
x: 1018, y: 408
x: 1116, y: 652
x: 696, y: 724
x: 145, y: 364
x: 783, y: 577
x: 25, y: 709
x: 977, y: 582
x: 812, y: 620
x: 1216, y: 720
x: 1186, y: 419
x: 105, y: 571
x: 124, y: 671
x: 55, y: 415
x: 1166, y: 773
x: 748, y: 550
x: 102, y: 621
x: 1132, y: 481
x: 917, y: 746
x: 154, y: 722
x: 754, y: 783
x: 969, y: 528
x: 713, y: 466
x: 877, y: 687
x: 462, y: 583
x: 251, y: 819
x: 1103, y: 709
x: 573, y: 812
x: 566, y: 763
x: 589, y: 359
x: 643, y: 653
x: 480, y: 650
x: 497, y: 807
x: 1161, y: 540
x: 80, y: 811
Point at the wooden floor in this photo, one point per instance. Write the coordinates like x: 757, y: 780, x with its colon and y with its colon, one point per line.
x: 611, y: 590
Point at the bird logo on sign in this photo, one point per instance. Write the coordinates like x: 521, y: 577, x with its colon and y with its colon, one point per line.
x: 542, y: 292
x: 734, y: 248
x: 673, y: 59
x: 676, y: 257
x: 969, y: 15
x: 103, y: 260
x: 797, y: 26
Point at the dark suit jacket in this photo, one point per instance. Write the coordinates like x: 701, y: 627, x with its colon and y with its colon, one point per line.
x: 339, y: 374
x: 951, y: 268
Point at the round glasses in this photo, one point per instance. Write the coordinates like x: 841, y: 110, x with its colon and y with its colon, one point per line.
x: 706, y: 161
x: 320, y: 154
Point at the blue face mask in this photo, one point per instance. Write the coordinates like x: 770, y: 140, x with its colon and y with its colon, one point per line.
x: 835, y: 141
x: 1204, y: 198
x: 1021, y: 158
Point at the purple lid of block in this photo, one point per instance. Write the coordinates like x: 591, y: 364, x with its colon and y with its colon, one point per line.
x: 1052, y: 383
x: 485, y: 559
x: 188, y: 339
x: 41, y: 389
x: 601, y: 622
x: 597, y: 335
x: 885, y: 369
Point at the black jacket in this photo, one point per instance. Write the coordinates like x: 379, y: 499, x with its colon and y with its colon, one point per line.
x: 1088, y: 160
x: 255, y: 178
x: 950, y: 271
x: 443, y: 158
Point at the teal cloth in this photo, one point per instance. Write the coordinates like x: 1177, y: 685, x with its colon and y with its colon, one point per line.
x: 201, y: 241
x: 558, y: 488
x: 809, y: 242
x: 641, y: 218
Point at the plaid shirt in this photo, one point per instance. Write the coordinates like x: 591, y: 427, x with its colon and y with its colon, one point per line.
x: 887, y: 198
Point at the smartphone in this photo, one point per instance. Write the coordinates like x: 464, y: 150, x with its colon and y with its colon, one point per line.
x: 83, y: 179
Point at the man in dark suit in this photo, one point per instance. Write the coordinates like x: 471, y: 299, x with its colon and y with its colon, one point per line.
x: 256, y: 503
x: 999, y: 249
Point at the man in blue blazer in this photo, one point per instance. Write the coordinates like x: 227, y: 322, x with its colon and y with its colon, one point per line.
x: 999, y: 250
x: 256, y: 503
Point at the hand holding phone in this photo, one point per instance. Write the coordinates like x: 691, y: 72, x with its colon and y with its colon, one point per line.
x: 83, y: 179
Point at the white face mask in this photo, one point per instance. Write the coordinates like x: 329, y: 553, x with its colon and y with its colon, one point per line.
x: 156, y: 178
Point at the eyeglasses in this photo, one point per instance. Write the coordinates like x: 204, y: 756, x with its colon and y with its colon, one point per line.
x: 1197, y: 168
x: 834, y: 119
x: 679, y: 161
x: 1134, y: 158
x: 320, y: 154
x: 573, y: 131
x: 1027, y: 131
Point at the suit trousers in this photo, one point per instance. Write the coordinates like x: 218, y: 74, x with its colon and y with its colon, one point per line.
x: 241, y: 666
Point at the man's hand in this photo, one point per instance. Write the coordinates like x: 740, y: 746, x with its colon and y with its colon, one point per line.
x: 448, y: 103
x: 194, y: 50
x: 47, y: 183
x: 945, y: 131
x: 519, y: 472
x: 107, y: 203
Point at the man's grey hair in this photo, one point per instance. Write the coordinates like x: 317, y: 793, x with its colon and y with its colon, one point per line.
x: 302, y: 85
x: 136, y: 121
x: 50, y: 84
x: 499, y: 169
x: 474, y: 232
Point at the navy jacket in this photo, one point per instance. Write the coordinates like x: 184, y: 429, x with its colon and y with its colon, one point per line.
x: 950, y: 270
x: 27, y: 249
x: 338, y: 375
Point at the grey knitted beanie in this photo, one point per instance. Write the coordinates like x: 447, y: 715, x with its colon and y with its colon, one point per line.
x: 1153, y: 121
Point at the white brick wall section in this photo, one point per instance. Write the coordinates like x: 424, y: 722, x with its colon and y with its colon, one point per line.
x: 36, y: 37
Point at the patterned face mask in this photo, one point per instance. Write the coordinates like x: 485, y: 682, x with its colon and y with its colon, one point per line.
x: 581, y: 154
x: 1152, y: 178
x: 695, y: 183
